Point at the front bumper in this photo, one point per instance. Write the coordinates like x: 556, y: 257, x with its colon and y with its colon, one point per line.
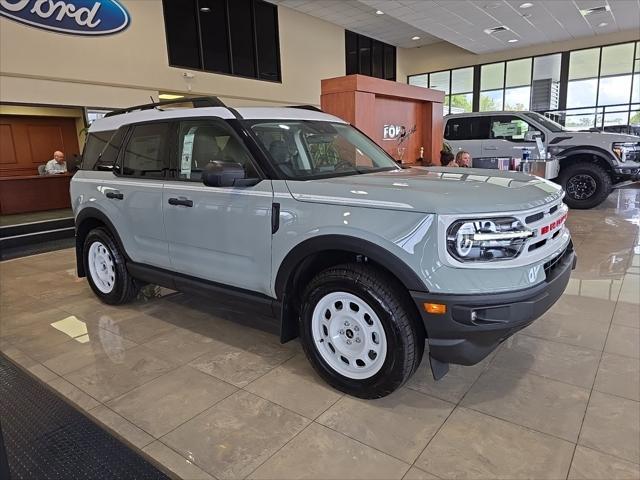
x: 627, y: 172
x: 474, y: 325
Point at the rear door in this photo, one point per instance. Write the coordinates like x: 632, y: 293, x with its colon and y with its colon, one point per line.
x: 135, y: 193
x: 467, y: 133
x: 221, y: 234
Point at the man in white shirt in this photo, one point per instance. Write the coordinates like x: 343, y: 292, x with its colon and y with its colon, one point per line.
x: 57, y: 164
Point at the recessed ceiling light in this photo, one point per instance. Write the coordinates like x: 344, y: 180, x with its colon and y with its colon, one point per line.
x: 526, y: 5
x: 512, y: 40
x: 415, y: 38
x: 526, y: 15
x: 205, y: 9
x: 603, y: 24
x: 591, y: 11
x: 379, y: 12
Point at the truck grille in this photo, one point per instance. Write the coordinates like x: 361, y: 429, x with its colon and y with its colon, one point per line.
x: 552, y: 264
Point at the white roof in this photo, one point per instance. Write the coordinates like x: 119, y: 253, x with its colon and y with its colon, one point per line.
x: 248, y: 113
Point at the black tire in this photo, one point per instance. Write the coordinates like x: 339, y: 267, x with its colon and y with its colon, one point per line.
x: 587, y: 185
x: 124, y: 288
x: 383, y: 294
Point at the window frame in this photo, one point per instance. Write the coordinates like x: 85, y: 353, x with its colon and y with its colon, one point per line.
x: 253, y: 41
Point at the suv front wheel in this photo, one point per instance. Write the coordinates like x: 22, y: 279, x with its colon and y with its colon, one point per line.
x: 587, y: 185
x: 106, y: 270
x: 357, y: 333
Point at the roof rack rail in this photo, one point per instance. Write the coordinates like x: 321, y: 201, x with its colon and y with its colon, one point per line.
x: 197, y: 102
x: 306, y: 107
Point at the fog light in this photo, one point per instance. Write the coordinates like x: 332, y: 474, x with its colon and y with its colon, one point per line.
x: 435, y: 308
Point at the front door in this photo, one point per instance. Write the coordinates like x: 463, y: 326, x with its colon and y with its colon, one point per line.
x: 506, y: 138
x: 217, y: 233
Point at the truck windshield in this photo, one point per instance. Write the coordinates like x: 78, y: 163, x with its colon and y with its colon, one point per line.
x: 555, y: 127
x: 308, y: 149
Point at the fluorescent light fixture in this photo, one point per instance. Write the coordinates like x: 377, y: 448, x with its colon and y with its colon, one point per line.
x: 591, y: 11
x: 379, y: 12
x: 205, y: 9
x: 169, y: 96
x: 603, y: 24
x: 493, y: 30
x: 526, y: 5
x: 512, y: 40
x: 415, y: 38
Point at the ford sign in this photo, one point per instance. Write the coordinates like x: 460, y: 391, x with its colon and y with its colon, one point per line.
x: 77, y: 17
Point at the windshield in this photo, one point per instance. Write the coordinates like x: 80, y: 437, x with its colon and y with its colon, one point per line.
x: 307, y: 149
x: 555, y: 127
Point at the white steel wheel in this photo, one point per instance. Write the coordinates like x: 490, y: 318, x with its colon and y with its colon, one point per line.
x: 102, y: 268
x: 349, y: 335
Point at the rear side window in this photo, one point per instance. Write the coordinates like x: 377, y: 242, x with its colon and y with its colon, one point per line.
x: 93, y: 148
x: 467, y: 128
x: 109, y: 155
x: 146, y: 152
x: 508, y: 127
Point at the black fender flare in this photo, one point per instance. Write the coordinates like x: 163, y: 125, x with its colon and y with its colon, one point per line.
x: 587, y: 150
x: 346, y: 243
x: 92, y: 213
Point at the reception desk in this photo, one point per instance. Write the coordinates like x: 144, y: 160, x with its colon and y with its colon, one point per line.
x: 34, y: 193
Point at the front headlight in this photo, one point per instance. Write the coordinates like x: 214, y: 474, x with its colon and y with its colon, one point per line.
x: 487, y: 239
x: 620, y: 150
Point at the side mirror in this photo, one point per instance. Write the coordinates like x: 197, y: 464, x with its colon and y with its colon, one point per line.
x: 225, y: 174
x: 531, y: 135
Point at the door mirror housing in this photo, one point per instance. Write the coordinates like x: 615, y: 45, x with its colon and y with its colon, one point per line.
x: 226, y: 174
x: 531, y: 135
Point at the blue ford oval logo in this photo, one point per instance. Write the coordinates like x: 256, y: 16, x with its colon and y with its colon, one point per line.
x: 77, y: 17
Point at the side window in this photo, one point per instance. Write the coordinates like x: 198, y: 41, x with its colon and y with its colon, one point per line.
x: 467, y: 128
x: 146, y: 152
x: 201, y: 142
x: 93, y: 148
x: 510, y: 128
x: 107, y: 159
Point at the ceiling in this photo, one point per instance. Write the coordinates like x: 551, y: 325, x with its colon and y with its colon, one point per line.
x: 463, y: 22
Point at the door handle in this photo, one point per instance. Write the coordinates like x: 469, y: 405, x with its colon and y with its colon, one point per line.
x: 490, y: 148
x: 115, y: 195
x: 181, y: 201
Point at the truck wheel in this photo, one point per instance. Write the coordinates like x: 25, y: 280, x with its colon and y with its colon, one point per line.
x: 106, y: 270
x: 357, y: 332
x: 587, y: 185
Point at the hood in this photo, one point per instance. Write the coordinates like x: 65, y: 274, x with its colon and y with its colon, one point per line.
x: 601, y: 139
x: 432, y: 190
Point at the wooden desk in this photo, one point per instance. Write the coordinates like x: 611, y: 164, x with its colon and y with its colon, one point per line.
x: 34, y: 193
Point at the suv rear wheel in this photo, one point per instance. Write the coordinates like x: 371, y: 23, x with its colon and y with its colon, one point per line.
x: 357, y: 333
x: 106, y: 270
x: 587, y: 185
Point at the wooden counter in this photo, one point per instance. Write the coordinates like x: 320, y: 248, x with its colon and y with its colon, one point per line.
x: 34, y: 193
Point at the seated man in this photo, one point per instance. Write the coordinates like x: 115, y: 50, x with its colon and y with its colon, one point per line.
x: 57, y: 164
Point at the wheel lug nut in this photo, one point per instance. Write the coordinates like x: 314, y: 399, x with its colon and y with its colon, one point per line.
x: 356, y: 328
x: 341, y: 332
x: 346, y: 324
x: 348, y: 342
x: 358, y: 340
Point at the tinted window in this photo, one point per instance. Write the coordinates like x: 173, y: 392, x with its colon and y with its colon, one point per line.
x: 241, y: 28
x: 215, y: 41
x: 389, y: 62
x: 467, y: 128
x: 267, y: 38
x: 377, y: 65
x: 201, y: 142
x: 366, y: 56
x: 109, y: 155
x: 182, y: 33
x: 351, y: 52
x: 146, y: 152
x: 94, y: 147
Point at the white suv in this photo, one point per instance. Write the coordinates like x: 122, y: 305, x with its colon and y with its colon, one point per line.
x: 298, y: 216
x: 590, y: 162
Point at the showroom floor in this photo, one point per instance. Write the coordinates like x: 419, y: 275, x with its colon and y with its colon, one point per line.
x: 206, y: 397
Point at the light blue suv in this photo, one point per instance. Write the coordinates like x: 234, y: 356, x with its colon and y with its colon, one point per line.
x: 297, y: 215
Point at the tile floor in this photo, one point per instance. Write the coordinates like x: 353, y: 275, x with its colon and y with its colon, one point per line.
x: 206, y: 397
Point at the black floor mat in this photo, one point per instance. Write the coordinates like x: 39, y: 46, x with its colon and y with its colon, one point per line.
x: 46, y: 438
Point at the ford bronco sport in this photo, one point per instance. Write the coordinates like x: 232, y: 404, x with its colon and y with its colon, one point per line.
x: 590, y: 162
x: 296, y: 214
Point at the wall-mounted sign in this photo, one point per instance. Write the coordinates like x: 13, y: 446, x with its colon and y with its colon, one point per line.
x: 392, y: 132
x: 76, y: 17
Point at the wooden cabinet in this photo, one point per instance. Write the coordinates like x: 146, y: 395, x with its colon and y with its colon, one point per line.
x: 372, y: 104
